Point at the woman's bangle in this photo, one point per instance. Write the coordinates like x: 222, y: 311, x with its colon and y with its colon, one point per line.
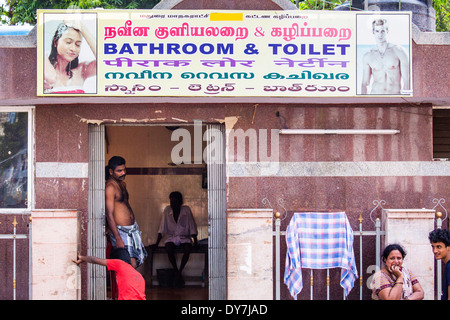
x: 398, y: 283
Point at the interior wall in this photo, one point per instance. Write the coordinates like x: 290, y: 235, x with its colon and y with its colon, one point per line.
x: 152, y: 176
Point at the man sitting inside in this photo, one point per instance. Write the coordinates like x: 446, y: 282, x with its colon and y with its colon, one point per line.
x: 179, y: 225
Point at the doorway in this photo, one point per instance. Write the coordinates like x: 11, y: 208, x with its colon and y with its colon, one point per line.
x: 152, y: 174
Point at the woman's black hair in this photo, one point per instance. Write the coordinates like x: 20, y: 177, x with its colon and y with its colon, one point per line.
x: 391, y: 248
x: 60, y: 30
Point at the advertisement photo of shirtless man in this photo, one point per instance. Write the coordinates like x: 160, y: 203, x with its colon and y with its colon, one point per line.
x: 385, y: 66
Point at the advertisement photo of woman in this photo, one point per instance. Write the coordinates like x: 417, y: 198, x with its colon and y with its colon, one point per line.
x: 70, y: 64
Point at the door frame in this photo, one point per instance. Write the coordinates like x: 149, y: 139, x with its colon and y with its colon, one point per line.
x: 216, y: 166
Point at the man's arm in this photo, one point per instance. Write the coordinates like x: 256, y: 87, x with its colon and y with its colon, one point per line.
x: 110, y: 194
x: 367, y: 72
x: 404, y: 67
x: 158, y: 240
x: 90, y: 259
x: 192, y: 226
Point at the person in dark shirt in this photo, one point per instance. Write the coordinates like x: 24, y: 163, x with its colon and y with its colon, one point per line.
x: 440, y: 243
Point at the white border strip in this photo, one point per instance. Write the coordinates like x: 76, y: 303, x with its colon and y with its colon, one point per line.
x: 339, y: 131
x: 339, y: 169
x: 286, y: 169
x: 62, y: 170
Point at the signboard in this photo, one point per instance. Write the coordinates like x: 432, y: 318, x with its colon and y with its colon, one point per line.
x: 223, y: 53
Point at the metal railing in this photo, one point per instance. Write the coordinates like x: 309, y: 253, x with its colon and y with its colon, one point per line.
x: 14, y: 237
x: 377, y: 233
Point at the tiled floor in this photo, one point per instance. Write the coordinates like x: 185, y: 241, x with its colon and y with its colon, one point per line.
x: 186, y: 293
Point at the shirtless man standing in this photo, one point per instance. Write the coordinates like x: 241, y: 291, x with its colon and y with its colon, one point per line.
x: 387, y: 63
x: 123, y: 229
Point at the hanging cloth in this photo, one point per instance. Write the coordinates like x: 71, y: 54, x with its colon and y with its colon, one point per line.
x: 319, y: 240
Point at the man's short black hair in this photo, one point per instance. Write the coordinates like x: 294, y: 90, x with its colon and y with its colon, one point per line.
x: 115, y: 161
x: 440, y: 235
x: 177, y: 196
x: 121, y: 254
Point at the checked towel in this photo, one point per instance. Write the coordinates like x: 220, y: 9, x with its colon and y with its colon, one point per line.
x: 319, y: 240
